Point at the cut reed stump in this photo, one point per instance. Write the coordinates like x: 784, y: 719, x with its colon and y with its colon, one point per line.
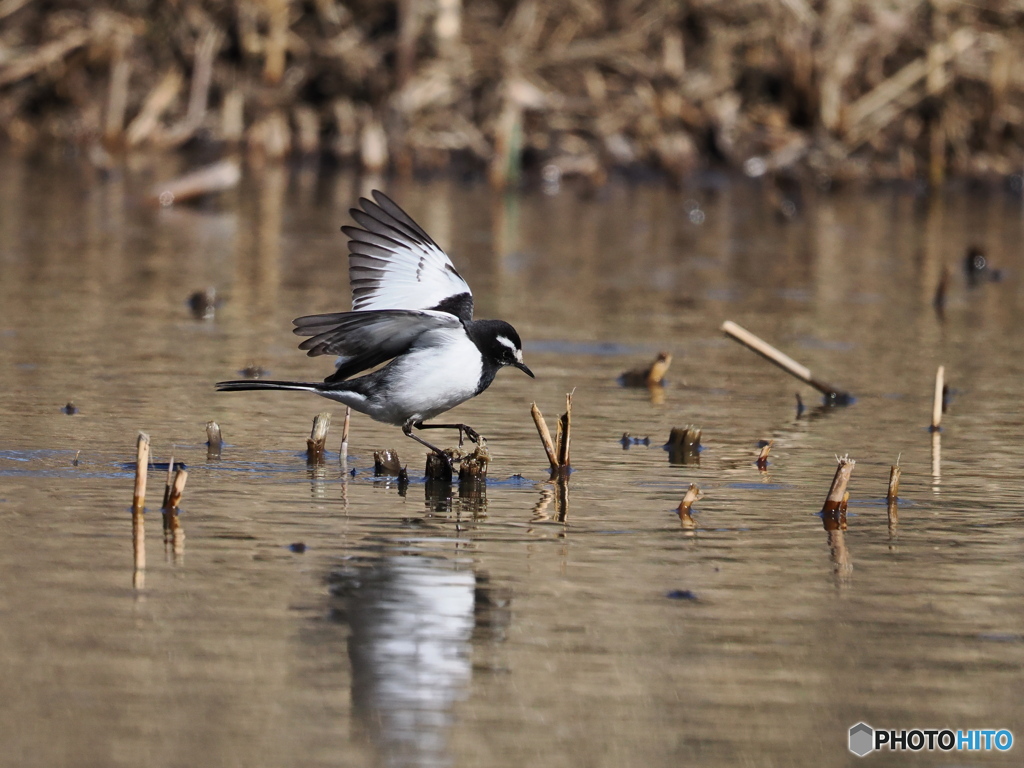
x: 174, y: 534
x: 650, y: 375
x: 940, y: 376
x: 833, y: 395
x: 386, y: 463
x: 316, y: 445
x: 684, y: 445
x: 138, y: 508
x: 557, y: 451
x: 833, y: 511
x: 762, y: 457
x: 214, y: 440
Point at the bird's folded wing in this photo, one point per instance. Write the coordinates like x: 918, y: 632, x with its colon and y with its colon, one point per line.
x: 394, y: 264
x: 365, y: 339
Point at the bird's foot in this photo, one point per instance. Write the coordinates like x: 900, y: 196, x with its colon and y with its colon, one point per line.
x: 469, y: 432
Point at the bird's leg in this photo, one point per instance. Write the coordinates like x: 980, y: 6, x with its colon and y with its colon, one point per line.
x: 471, y: 433
x: 407, y: 430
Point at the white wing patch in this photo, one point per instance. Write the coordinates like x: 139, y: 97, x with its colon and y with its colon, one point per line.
x: 394, y: 263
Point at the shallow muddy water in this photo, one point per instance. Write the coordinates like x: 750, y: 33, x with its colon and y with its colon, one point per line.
x: 313, y: 616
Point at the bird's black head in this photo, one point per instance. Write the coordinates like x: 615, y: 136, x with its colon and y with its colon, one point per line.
x: 499, y: 344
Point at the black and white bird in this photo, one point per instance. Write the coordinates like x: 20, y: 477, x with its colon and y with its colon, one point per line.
x: 410, y: 306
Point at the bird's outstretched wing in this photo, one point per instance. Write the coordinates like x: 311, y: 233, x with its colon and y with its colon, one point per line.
x: 394, y: 264
x: 367, y: 338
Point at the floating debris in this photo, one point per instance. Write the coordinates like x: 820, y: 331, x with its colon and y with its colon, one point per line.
x: 833, y: 395
x: 253, y: 371
x: 297, y: 547
x: 628, y: 440
x: 977, y: 268
x: 70, y: 409
x: 681, y: 594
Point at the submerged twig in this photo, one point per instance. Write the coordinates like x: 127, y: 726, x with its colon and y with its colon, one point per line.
x: 785, y: 362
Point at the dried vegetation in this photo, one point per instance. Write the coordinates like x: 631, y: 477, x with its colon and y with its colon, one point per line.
x: 843, y: 89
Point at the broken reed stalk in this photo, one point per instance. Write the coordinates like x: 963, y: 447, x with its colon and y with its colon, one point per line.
x: 558, y: 450
x: 892, y: 498
x: 692, y: 494
x: 762, y: 457
x: 218, y: 177
x: 169, y: 482
x: 214, y: 440
x: 141, y: 468
x: 317, y: 442
x: 545, y: 436
x: 785, y: 362
x: 833, y: 511
x: 940, y: 376
x: 562, y: 436
x: 177, y: 489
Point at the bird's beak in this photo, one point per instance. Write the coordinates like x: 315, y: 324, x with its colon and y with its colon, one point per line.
x: 522, y: 367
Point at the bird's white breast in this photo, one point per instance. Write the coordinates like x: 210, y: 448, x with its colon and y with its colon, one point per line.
x: 442, y: 370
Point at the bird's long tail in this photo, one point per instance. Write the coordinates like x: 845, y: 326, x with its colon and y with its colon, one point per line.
x: 245, y: 384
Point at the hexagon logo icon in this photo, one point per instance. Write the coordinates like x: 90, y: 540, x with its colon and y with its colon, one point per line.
x: 862, y: 739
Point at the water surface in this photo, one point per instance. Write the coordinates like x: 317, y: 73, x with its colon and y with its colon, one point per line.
x: 312, y: 616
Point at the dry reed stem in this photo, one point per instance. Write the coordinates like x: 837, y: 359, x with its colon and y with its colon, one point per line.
x: 177, y: 489
x: 940, y: 376
x: 784, y: 361
x: 762, y: 456
x: 545, y: 436
x: 138, y: 549
x: 564, y: 436
x: 141, y: 471
x: 343, y: 452
x: 157, y: 103
x: 44, y: 56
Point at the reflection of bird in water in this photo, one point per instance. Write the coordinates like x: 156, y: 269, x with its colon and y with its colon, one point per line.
x: 411, y: 621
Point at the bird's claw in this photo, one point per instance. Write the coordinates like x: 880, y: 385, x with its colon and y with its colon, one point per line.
x: 471, y: 433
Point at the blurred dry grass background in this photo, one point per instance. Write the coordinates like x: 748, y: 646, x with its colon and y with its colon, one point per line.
x: 904, y: 89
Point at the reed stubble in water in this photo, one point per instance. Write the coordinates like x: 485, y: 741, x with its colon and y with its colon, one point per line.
x: 138, y: 512
x: 685, y: 519
x: 214, y: 440
x: 316, y: 445
x: 892, y: 497
x: 557, y: 451
x: 940, y: 378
